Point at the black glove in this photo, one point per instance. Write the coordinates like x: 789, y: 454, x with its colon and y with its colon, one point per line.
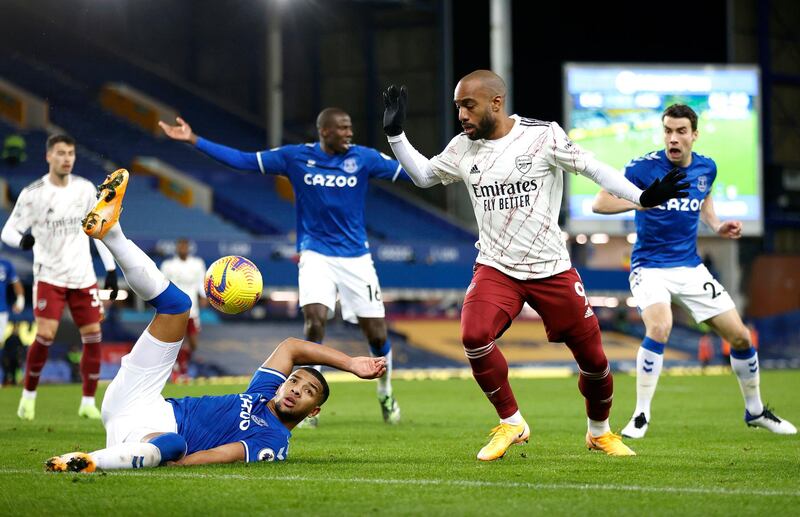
x: 395, y: 101
x: 664, y: 189
x: 112, y: 283
x: 27, y: 241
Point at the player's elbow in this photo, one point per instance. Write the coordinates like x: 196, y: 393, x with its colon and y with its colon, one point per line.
x: 598, y: 207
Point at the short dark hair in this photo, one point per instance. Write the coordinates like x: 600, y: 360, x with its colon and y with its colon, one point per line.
x: 326, y: 116
x: 57, y: 138
x: 326, y: 391
x: 681, y: 111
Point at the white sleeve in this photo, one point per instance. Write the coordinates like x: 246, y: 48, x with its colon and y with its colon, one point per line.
x: 10, y: 236
x: 105, y: 255
x: 570, y: 157
x: 416, y: 166
x: 18, y: 222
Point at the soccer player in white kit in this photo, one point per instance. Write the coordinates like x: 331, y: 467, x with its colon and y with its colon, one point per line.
x: 52, y: 208
x: 188, y: 273
x: 512, y: 168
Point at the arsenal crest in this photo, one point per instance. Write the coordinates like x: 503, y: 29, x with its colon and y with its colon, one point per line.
x: 524, y: 163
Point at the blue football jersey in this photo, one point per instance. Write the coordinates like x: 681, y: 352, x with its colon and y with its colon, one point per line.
x: 667, y: 234
x: 211, y: 421
x: 330, y: 190
x: 8, y: 275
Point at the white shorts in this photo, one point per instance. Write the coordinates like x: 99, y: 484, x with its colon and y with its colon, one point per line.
x: 694, y: 288
x: 321, y: 277
x: 133, y: 406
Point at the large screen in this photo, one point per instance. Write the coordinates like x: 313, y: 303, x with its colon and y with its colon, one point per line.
x: 614, y: 111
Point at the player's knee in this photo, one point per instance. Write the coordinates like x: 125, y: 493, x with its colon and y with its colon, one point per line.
x: 475, y: 336
x: 171, y: 445
x: 740, y: 342
x: 314, y: 328
x: 45, y: 334
x: 172, y: 301
x: 659, y: 332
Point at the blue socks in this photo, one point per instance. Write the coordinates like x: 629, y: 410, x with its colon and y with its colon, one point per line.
x: 171, y: 445
x: 171, y: 301
x: 383, y: 350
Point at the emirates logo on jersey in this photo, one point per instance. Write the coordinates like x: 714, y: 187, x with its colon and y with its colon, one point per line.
x: 523, y: 163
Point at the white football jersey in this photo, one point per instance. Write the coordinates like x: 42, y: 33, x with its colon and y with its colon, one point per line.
x: 516, y: 185
x: 53, y: 214
x: 189, y: 276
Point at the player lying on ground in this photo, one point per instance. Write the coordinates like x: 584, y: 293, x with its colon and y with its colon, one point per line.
x: 145, y: 430
x: 666, y: 268
x: 512, y: 167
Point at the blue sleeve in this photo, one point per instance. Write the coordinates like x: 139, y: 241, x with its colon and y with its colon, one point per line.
x: 275, y: 161
x: 228, y: 156
x: 265, y: 446
x: 266, y: 381
x: 383, y: 167
x: 632, y: 174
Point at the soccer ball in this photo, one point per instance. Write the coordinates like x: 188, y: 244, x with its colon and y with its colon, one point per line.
x: 233, y: 284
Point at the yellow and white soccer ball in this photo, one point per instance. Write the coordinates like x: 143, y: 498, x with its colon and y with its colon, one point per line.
x: 233, y: 284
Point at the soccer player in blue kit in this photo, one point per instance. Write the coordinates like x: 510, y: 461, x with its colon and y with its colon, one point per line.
x: 329, y: 178
x: 145, y: 430
x: 665, y: 267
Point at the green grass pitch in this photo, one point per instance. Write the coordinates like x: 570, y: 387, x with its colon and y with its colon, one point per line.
x: 699, y: 458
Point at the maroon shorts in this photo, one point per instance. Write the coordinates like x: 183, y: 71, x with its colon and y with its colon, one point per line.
x: 84, y: 304
x: 560, y: 300
x: 193, y: 326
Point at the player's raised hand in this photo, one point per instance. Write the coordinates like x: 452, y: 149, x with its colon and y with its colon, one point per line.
x: 367, y: 367
x: 112, y: 283
x: 730, y: 229
x: 181, y: 132
x: 27, y: 242
x: 395, y: 101
x: 664, y: 189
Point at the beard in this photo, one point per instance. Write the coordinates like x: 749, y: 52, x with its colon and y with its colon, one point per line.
x: 486, y: 126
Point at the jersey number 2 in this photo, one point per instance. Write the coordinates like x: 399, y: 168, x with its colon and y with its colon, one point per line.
x: 714, y: 293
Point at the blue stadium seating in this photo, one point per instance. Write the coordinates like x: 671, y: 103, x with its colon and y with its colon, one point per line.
x: 248, y: 198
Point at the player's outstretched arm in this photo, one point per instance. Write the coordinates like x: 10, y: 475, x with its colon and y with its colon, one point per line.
x: 666, y: 188
x: 727, y: 229
x: 228, y: 453
x: 233, y: 158
x: 418, y: 168
x: 297, y: 352
x: 181, y: 131
x: 606, y: 203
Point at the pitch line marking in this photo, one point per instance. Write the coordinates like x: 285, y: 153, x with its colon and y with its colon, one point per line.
x: 462, y: 483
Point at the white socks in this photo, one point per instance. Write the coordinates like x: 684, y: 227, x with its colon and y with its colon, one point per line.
x: 515, y: 419
x: 648, y: 369
x: 134, y: 455
x: 140, y: 271
x: 746, y: 370
x: 598, y: 427
x: 87, y: 401
x: 385, y: 382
